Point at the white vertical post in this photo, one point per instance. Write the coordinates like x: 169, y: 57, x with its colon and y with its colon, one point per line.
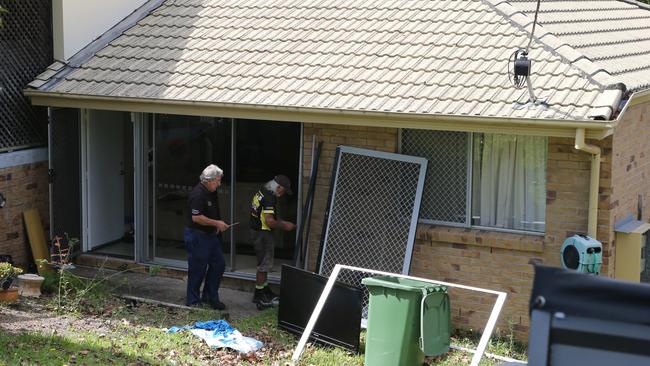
x: 314, y: 316
x: 489, y: 327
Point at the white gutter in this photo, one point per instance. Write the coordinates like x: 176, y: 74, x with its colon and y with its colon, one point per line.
x: 592, y: 221
x: 615, y: 94
x: 640, y: 97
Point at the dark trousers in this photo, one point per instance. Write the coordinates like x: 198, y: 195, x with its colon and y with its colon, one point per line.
x: 203, y: 253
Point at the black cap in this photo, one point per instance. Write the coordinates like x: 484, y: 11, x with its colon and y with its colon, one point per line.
x: 284, y: 181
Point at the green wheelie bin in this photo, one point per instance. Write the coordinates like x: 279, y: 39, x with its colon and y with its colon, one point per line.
x: 407, y: 320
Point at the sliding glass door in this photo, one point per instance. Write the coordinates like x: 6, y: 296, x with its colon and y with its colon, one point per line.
x: 182, y: 147
x: 262, y: 150
x: 174, y: 150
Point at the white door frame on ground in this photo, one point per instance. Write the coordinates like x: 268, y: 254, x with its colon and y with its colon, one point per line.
x: 485, y: 337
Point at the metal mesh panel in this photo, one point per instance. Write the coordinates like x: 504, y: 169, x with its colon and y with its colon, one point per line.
x: 66, y: 164
x: 445, y: 193
x: 372, y: 219
x: 25, y: 51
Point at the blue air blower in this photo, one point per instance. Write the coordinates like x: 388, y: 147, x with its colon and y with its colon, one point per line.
x: 582, y: 253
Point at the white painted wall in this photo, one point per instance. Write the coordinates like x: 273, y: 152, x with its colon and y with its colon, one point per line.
x: 78, y: 22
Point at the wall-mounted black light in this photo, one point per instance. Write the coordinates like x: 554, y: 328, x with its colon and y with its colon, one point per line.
x: 3, y: 201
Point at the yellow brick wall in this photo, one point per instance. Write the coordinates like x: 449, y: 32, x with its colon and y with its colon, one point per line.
x: 381, y: 139
x: 630, y: 172
x: 24, y: 187
x: 482, y: 258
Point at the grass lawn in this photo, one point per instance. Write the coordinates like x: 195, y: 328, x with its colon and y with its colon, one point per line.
x: 137, y: 337
x: 110, y: 331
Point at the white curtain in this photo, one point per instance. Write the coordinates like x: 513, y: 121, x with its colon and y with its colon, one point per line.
x: 512, y: 181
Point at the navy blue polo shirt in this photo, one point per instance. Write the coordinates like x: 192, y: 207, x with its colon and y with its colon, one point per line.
x: 202, y: 202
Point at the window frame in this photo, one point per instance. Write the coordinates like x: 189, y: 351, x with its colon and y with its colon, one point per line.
x: 468, y: 195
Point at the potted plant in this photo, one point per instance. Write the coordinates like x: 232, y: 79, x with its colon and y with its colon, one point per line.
x: 7, y: 274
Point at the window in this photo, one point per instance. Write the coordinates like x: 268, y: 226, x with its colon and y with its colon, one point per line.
x: 485, y: 180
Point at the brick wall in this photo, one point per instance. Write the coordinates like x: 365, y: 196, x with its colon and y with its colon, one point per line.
x: 630, y: 167
x: 381, y: 139
x: 567, y: 196
x: 24, y: 187
x: 504, y: 261
x: 483, y: 258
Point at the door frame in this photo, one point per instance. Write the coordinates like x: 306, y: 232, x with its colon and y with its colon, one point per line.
x: 83, y: 128
x: 141, y: 189
x: 85, y: 122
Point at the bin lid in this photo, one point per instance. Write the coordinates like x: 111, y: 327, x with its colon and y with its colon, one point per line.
x: 404, y: 284
x: 435, y: 327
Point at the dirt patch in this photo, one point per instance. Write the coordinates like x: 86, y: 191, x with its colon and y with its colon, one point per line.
x: 118, y: 315
x: 34, y: 316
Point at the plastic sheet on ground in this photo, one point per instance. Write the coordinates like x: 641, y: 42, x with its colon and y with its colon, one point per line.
x: 218, y: 334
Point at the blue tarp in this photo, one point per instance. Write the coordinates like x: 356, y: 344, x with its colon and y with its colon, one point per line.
x: 218, y: 334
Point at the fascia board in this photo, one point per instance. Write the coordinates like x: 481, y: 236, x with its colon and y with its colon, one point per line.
x: 505, y: 125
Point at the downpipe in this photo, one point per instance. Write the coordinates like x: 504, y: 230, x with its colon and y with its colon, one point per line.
x: 580, y: 144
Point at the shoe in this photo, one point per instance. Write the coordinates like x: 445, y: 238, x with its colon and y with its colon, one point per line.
x: 270, y: 294
x: 218, y: 305
x: 261, y: 298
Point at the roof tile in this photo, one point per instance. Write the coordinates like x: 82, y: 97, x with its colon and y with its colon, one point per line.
x: 422, y: 57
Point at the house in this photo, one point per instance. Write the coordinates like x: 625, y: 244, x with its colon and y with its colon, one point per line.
x: 25, y: 51
x: 181, y: 83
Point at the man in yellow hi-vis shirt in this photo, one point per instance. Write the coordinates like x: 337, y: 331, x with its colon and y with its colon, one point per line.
x: 263, y: 221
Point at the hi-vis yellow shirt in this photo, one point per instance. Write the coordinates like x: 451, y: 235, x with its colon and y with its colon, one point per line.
x: 262, y: 205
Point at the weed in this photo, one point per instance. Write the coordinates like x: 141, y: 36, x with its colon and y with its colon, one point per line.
x: 74, y: 293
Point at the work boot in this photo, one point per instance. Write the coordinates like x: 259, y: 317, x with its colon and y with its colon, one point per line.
x: 218, y: 305
x: 270, y: 294
x: 260, y: 297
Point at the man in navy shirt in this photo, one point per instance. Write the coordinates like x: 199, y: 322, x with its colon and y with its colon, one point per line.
x: 203, y: 241
x: 263, y: 221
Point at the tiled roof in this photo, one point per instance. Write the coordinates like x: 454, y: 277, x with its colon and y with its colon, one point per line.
x: 46, y: 75
x: 401, y: 56
x: 613, y: 34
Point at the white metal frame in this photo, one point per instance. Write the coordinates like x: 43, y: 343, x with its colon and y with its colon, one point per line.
x: 140, y: 188
x: 83, y: 116
x: 485, y: 337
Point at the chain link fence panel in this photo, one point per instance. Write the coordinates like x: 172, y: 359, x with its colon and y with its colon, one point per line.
x: 373, y: 212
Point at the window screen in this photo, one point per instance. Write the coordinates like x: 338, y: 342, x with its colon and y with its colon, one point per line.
x: 444, y: 198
